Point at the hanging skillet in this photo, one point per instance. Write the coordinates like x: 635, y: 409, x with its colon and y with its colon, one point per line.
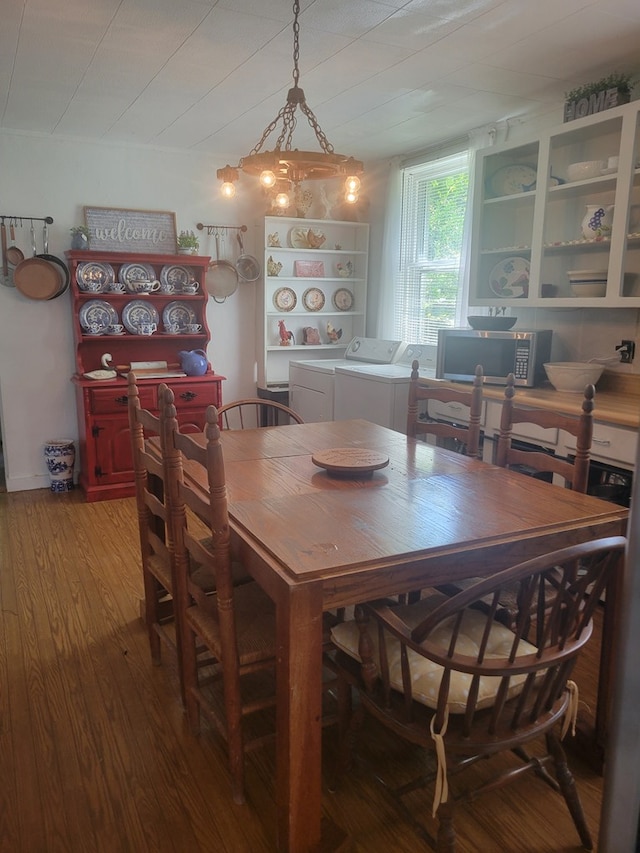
x: 60, y: 265
x: 222, y: 278
x: 247, y: 266
x: 35, y: 277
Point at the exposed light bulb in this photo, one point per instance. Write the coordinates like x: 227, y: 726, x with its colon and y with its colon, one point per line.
x: 282, y: 200
x: 352, y: 184
x: 351, y: 197
x: 228, y: 189
x: 267, y: 179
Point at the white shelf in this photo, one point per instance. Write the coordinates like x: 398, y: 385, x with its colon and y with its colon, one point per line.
x: 353, y: 239
x: 544, y: 225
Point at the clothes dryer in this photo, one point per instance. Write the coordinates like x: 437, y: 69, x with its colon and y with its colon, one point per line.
x: 380, y: 392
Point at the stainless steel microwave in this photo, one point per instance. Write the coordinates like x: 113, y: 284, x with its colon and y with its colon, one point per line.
x: 522, y: 353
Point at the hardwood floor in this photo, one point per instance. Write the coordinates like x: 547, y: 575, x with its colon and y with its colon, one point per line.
x: 95, y: 754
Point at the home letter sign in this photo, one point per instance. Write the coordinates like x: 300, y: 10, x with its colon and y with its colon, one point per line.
x: 595, y: 103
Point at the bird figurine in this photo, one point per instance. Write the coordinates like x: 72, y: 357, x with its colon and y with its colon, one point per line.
x: 286, y: 337
x: 334, y: 335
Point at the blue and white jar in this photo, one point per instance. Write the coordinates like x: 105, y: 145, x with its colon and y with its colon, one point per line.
x: 60, y: 456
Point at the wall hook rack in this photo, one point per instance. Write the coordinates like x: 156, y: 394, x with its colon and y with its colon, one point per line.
x: 211, y: 229
x: 22, y: 219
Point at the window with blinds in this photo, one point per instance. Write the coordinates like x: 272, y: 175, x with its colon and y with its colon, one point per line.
x: 429, y: 282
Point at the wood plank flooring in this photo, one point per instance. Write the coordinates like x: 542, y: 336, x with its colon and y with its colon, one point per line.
x: 95, y: 754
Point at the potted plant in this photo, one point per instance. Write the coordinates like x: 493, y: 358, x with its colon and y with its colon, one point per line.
x: 600, y: 95
x: 188, y: 243
x: 79, y: 237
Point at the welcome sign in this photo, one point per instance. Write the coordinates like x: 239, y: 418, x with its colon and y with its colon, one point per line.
x: 123, y: 230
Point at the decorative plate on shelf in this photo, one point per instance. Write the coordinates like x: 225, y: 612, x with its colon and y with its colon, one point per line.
x: 343, y: 299
x: 510, y: 278
x: 97, y: 312
x: 516, y: 178
x: 138, y: 311
x: 130, y: 273
x: 176, y: 275
x: 90, y: 272
x: 285, y: 299
x: 313, y: 299
x: 180, y: 313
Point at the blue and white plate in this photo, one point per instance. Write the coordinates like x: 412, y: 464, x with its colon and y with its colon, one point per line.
x: 130, y: 273
x: 136, y: 312
x: 510, y: 278
x: 90, y: 272
x: 180, y: 313
x: 98, y: 312
x: 176, y: 275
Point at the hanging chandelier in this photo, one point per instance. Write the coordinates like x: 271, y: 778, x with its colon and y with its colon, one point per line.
x: 284, y: 167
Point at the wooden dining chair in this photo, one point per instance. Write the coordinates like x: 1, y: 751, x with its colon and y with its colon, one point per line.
x: 152, y: 526
x: 255, y: 412
x: 446, y: 676
x: 465, y: 435
x: 234, y: 628
x: 574, y: 473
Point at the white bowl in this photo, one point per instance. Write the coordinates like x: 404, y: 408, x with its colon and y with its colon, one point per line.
x: 585, y: 289
x: 572, y: 376
x: 586, y: 169
x: 578, y: 276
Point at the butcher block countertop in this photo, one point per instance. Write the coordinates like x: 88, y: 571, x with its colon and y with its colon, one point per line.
x: 617, y: 399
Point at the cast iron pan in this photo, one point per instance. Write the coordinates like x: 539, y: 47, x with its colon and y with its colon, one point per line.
x: 60, y: 265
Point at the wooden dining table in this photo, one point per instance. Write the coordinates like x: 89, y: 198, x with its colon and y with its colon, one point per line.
x: 315, y: 541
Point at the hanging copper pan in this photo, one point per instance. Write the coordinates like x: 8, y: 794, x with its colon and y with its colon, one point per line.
x: 36, y: 277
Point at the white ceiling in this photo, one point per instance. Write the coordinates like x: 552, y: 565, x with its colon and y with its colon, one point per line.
x: 383, y: 77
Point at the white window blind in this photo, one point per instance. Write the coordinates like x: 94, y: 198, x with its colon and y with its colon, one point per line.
x: 428, y: 288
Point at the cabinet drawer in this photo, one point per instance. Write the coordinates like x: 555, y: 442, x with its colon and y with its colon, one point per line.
x: 611, y: 444
x: 196, y: 396
x: 106, y: 401
x: 454, y: 412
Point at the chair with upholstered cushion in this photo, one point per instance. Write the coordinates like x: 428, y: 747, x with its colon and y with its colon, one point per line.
x: 575, y: 474
x: 256, y: 412
x: 447, y: 676
x: 465, y: 435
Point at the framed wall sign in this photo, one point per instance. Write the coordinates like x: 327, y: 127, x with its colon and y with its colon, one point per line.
x: 123, y: 230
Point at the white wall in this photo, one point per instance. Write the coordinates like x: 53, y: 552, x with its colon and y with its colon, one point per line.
x: 41, y: 177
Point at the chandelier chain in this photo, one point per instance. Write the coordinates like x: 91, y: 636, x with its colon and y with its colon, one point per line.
x: 288, y: 164
x: 296, y: 42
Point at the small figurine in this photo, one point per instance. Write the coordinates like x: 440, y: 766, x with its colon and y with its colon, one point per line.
x: 325, y: 204
x: 345, y: 270
x: 286, y: 337
x: 273, y: 267
x: 334, y: 335
x: 315, y: 239
x: 273, y: 240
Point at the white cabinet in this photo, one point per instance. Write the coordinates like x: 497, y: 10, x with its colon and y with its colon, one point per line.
x: 527, y: 211
x: 315, y: 276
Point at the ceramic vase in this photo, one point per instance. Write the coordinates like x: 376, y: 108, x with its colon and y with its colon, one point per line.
x: 60, y: 456
x: 597, y: 221
x: 79, y: 241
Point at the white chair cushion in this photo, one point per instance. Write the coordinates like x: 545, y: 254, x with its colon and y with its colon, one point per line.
x: 425, y: 674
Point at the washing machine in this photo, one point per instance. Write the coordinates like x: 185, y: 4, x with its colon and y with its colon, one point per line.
x: 311, y: 383
x: 380, y: 392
